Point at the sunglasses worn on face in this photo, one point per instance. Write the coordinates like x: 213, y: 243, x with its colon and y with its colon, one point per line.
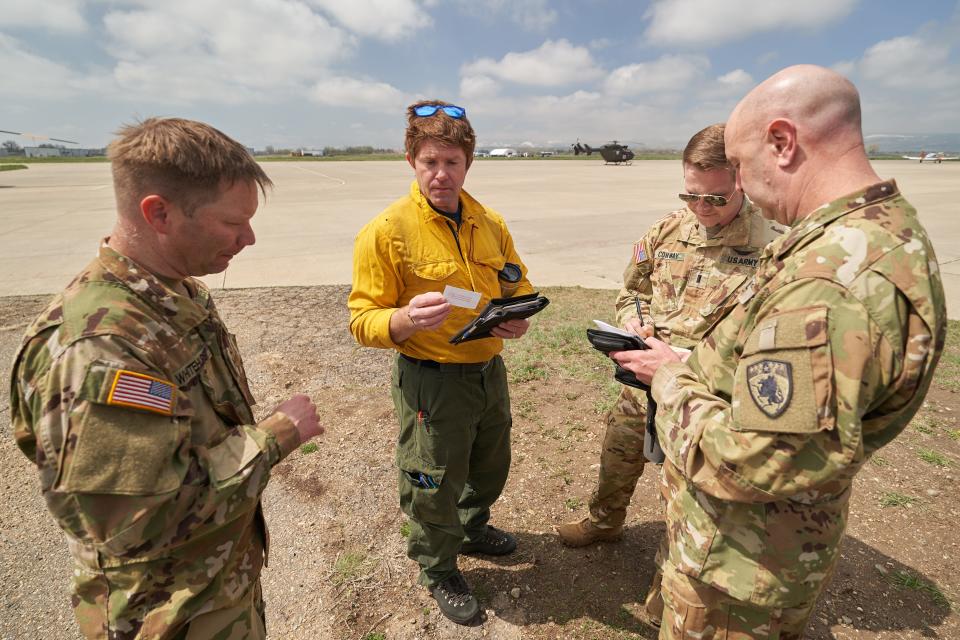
x: 712, y: 200
x: 427, y: 110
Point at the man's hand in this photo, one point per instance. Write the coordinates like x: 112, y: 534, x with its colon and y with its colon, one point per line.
x: 424, y: 312
x: 634, y: 326
x: 645, y: 362
x: 511, y: 329
x: 303, y: 413
x: 427, y: 311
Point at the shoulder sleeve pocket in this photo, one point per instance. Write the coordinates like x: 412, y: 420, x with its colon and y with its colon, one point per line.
x: 784, y: 380
x: 126, y: 430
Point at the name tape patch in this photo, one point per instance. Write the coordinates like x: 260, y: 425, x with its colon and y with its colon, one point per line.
x: 670, y: 255
x: 131, y: 389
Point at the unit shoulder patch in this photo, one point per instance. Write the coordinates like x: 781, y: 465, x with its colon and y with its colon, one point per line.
x: 771, y: 386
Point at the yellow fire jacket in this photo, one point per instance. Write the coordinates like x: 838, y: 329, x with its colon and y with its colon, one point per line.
x: 411, y: 249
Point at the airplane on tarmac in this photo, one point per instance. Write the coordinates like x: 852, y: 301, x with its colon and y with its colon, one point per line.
x: 934, y: 156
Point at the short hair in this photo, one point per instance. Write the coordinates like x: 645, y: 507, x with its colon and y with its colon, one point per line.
x: 455, y: 132
x: 185, y: 161
x: 705, y: 150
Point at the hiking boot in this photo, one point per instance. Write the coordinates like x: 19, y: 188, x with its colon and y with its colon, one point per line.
x: 493, y: 542
x: 455, y: 599
x: 584, y: 532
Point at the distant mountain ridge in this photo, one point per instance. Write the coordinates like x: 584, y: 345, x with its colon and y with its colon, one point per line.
x: 931, y: 142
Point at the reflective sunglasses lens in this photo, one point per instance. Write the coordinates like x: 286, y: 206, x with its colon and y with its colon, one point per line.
x: 455, y: 112
x: 715, y: 201
x: 426, y: 110
x: 688, y: 197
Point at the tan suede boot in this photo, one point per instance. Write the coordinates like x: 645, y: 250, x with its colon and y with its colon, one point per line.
x: 583, y: 532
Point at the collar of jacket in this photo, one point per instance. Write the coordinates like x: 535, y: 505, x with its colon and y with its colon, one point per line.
x: 469, y: 212
x: 182, y: 312
x: 827, y: 213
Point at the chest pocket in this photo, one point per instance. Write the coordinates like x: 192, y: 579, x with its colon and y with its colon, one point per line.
x: 784, y: 379
x: 669, y: 280
x: 435, y: 271
x: 722, y: 295
x: 225, y: 382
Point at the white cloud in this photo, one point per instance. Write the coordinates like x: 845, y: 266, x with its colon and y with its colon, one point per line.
x: 533, y: 15
x: 478, y: 86
x: 339, y: 91
x: 736, y: 79
x: 667, y: 73
x: 390, y: 20
x: 908, y: 62
x: 25, y: 74
x: 185, y: 50
x: 709, y: 22
x: 57, y: 15
x: 554, y: 63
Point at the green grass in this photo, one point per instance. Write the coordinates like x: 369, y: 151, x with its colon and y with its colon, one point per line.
x: 310, y: 447
x: 907, y: 580
x: 349, y: 566
x: 12, y: 167
x: 879, y: 461
x: 405, y: 529
x: 948, y: 371
x: 925, y: 424
x: 933, y: 457
x: 573, y: 503
x: 954, y: 434
x: 375, y: 635
x: 894, y: 499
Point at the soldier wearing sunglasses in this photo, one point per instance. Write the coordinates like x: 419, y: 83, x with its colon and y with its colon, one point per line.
x: 453, y: 451
x: 684, y: 275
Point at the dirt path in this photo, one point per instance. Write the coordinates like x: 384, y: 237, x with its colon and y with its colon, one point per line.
x: 338, y: 569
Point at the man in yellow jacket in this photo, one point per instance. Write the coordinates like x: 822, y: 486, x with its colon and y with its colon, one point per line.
x: 422, y: 269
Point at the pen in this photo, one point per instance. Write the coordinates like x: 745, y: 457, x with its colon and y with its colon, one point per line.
x: 636, y: 301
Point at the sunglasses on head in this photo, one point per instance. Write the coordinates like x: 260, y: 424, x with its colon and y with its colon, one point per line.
x: 710, y: 199
x: 427, y: 110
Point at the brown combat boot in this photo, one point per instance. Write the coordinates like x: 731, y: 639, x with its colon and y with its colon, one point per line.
x: 583, y: 532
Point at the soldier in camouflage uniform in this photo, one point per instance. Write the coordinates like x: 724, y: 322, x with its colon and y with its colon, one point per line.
x: 685, y: 273
x: 129, y: 395
x: 826, y: 357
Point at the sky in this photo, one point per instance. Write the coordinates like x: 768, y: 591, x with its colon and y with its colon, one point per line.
x: 316, y: 73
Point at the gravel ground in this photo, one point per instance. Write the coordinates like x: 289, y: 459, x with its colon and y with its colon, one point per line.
x: 338, y: 568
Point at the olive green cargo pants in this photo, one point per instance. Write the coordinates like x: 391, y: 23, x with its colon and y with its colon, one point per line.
x: 453, y: 455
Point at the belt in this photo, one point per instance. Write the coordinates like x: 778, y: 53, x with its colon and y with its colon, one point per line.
x: 452, y: 367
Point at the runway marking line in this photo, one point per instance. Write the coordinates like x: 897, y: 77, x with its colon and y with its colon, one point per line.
x: 323, y: 175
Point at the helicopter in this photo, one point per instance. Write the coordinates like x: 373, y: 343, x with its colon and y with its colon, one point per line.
x: 612, y: 152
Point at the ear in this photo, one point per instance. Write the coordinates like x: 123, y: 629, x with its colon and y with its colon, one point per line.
x: 410, y: 160
x: 782, y: 140
x: 156, y: 211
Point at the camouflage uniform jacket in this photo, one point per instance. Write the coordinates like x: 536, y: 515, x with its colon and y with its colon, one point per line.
x: 825, y: 359
x: 687, y: 281
x: 133, y: 403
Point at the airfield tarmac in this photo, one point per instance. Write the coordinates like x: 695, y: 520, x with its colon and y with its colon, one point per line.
x: 574, y: 222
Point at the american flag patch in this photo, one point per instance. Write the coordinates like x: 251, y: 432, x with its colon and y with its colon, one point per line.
x: 639, y: 253
x: 141, y: 391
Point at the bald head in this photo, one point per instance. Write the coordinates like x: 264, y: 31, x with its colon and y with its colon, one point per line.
x: 821, y: 102
x: 788, y: 131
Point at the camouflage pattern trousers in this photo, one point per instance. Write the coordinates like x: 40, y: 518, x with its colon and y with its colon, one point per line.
x: 694, y: 610
x: 621, y: 461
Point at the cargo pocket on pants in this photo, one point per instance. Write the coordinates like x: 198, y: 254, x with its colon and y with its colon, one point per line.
x: 423, y: 493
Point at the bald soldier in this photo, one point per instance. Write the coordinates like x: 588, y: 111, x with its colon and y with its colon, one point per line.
x: 129, y: 395
x: 825, y: 359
